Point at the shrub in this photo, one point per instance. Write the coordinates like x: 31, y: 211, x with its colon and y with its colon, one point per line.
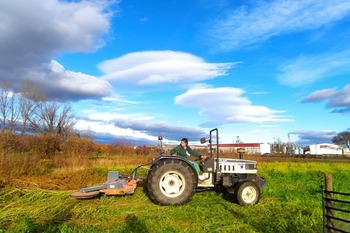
x: 7, y: 141
x: 75, y: 146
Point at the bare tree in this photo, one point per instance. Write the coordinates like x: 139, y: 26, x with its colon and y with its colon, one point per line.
x: 32, y: 111
x: 14, y: 112
x: 53, y: 118
x: 31, y: 99
x: 9, y: 109
x: 66, y: 122
x: 343, y: 139
x: 3, y: 107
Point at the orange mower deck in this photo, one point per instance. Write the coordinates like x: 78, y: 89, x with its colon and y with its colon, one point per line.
x: 128, y: 188
x: 115, y: 185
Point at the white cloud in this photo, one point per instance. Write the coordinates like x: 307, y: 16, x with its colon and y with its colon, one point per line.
x: 134, y: 126
x: 33, y: 32
x: 247, y: 26
x: 226, y: 105
x: 39, y: 26
x: 113, y: 116
x: 307, y: 137
x: 100, y: 127
x: 118, y: 99
x: 341, y: 98
x: 339, y: 101
x: 309, y: 69
x: 158, y: 67
x: 319, y: 95
x: 64, y: 84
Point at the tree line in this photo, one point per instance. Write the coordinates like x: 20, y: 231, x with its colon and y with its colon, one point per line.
x: 343, y: 139
x: 28, y: 111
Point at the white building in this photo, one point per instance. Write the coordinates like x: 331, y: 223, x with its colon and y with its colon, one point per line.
x: 323, y: 149
x: 250, y: 148
x: 265, y: 148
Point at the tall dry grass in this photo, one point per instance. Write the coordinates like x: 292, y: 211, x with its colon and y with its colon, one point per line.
x: 49, y: 162
x: 39, y: 154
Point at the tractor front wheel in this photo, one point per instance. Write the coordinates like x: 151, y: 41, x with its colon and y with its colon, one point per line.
x: 247, y: 193
x: 171, y: 182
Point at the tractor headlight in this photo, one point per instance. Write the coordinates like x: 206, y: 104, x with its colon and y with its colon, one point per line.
x: 251, y: 166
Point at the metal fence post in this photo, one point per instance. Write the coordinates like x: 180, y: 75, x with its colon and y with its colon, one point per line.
x: 328, y: 182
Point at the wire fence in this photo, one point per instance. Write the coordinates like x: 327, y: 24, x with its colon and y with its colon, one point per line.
x: 336, y: 208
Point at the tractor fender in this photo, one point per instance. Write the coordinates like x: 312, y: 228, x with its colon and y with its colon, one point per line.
x: 171, y: 157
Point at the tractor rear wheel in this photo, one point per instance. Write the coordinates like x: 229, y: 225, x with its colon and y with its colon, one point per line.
x: 171, y: 182
x: 247, y: 193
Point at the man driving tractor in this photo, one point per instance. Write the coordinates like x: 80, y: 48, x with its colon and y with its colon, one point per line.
x: 185, y: 151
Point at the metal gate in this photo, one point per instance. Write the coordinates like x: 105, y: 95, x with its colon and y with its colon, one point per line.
x: 336, y: 208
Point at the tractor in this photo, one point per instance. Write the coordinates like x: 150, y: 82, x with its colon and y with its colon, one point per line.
x: 173, y: 180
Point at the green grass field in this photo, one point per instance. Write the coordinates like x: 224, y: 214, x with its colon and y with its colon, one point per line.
x: 291, y: 202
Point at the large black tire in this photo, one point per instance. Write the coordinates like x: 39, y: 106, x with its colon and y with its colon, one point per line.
x: 247, y: 193
x: 171, y: 182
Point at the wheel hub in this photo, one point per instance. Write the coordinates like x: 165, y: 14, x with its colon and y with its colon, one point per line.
x: 249, y: 194
x: 172, y: 184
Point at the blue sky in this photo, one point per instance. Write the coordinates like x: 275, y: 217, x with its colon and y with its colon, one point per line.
x: 262, y: 71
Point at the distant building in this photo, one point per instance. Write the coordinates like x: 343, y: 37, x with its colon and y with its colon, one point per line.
x: 265, y: 148
x: 324, y: 149
x: 250, y: 148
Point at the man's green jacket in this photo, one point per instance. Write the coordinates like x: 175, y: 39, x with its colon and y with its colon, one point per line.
x: 184, y: 152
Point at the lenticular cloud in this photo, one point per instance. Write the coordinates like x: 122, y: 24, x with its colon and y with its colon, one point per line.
x: 156, y: 67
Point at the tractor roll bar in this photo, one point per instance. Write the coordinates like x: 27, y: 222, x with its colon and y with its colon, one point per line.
x: 217, y: 178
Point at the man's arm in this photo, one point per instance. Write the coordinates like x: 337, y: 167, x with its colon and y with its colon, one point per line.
x: 174, y: 150
x: 194, y: 153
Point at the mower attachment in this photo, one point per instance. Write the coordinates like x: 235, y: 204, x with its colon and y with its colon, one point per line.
x: 115, y: 185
